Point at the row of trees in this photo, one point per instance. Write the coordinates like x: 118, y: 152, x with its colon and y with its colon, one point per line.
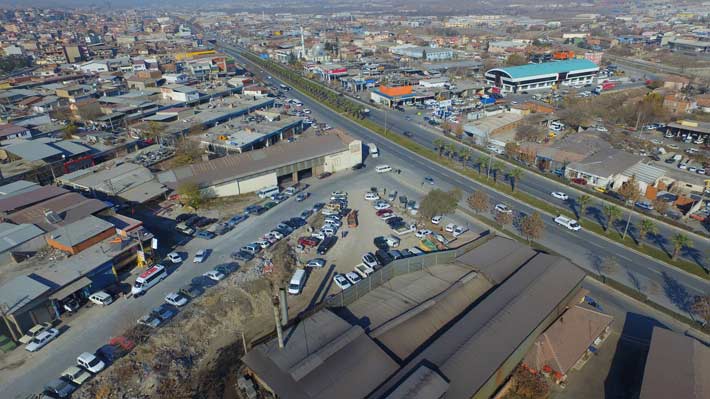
x: 316, y: 90
x: 530, y: 226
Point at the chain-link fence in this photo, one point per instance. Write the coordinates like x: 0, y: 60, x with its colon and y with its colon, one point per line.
x: 403, y: 266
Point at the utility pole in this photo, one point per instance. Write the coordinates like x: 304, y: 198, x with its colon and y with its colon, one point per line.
x: 279, y: 331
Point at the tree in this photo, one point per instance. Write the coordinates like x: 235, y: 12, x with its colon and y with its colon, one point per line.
x: 514, y: 175
x: 478, y: 201
x: 439, y: 202
x: 190, y: 195
x: 660, y: 206
x: 498, y: 167
x: 465, y: 154
x: 645, y: 227
x: 528, y: 385
x: 439, y: 145
x: 155, y: 130
x: 69, y: 131
x: 187, y: 152
x: 512, y: 150
x: 503, y: 218
x: 482, y: 162
x: 701, y: 307
x: 680, y: 241
x: 583, y: 201
x: 459, y: 130
x: 516, y: 59
x: 612, y: 213
x: 632, y: 192
x: 532, y: 227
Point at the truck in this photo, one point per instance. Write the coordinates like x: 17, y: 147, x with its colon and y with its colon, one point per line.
x: 364, y: 270
x: 604, y: 87
x: 374, y: 152
x: 406, y: 229
x: 570, y: 224
x: 352, y: 219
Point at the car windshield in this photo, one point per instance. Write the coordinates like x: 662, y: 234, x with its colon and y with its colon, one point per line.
x: 138, y: 284
x: 94, y: 362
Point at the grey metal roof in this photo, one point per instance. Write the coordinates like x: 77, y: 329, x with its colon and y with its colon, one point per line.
x: 324, y: 357
x: 80, y: 231
x: 472, y: 350
x: 69, y: 270
x: 606, y: 163
x: 32, y: 151
x: 15, y: 202
x: 645, y: 172
x: 12, y: 235
x: 127, y: 180
x: 676, y: 367
x: 423, y: 383
x: 20, y: 291
x: 16, y: 187
x: 498, y: 258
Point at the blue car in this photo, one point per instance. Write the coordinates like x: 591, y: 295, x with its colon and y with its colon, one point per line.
x: 207, y: 235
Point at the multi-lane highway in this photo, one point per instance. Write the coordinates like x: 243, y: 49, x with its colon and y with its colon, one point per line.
x: 666, y: 285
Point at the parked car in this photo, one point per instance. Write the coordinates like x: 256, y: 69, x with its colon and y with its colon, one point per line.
x: 101, y: 298
x: 242, y: 255
x: 317, y: 262
x: 436, y: 219
x: 580, y: 181
x: 214, y: 275
x: 191, y: 291
x: 353, y: 278
x: 308, y: 241
x: 341, y: 281
x: 59, y: 388
x: 75, y: 375
x: 174, y: 257
x: 205, y: 235
x: 422, y: 233
x: 90, y: 362
x: 176, y: 299
x: 42, y: 339
x: 200, y: 256
x: 35, y: 331
x: 150, y: 320
x: 369, y: 259
x: 324, y: 175
x: 450, y: 227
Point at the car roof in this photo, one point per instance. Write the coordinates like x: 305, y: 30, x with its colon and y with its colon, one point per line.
x: 86, y: 356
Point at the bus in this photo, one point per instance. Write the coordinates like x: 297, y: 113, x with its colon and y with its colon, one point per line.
x: 374, y: 152
x: 268, y: 191
x: 148, y: 279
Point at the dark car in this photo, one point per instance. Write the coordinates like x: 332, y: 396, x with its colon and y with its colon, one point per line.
x: 242, y: 255
x: 270, y: 204
x: 260, y: 210
x: 235, y: 220
x: 191, y: 291
x: 192, y: 220
x: 227, y: 268
x: 394, y: 220
x: 324, y: 175
x: 383, y: 257
x: 183, y: 217
x: 205, y: 222
x: 222, y: 228
x: 381, y: 243
x: 407, y: 133
x: 251, y: 209
x: 358, y: 166
x: 59, y: 388
x: 326, y: 245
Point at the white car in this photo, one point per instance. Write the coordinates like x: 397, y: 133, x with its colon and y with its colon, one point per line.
x: 90, y: 362
x: 422, y: 233
x: 459, y: 230
x: 277, y: 235
x: 382, y: 205
x: 602, y: 129
x: 560, y: 195
x: 42, y: 339
x: 176, y: 299
x: 341, y: 282
x: 200, y: 256
x: 174, y: 257
x: 215, y: 275
x: 503, y: 208
x: 317, y: 262
x: 450, y: 227
x: 264, y: 244
x: 369, y: 259
x: 370, y: 196
x: 353, y: 277
x: 338, y: 194
x: 436, y: 219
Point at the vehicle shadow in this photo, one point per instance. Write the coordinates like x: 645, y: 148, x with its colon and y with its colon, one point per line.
x: 626, y: 372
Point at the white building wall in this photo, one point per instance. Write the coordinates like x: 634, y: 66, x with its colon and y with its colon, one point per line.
x: 257, y: 183
x: 344, y: 160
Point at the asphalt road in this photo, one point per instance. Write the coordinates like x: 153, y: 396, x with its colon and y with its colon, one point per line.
x: 667, y: 285
x: 23, y: 373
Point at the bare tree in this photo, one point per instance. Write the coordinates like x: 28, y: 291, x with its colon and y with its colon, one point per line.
x: 532, y: 227
x: 478, y: 201
x: 701, y: 307
x: 503, y: 218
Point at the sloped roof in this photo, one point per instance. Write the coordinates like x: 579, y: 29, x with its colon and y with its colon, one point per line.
x: 676, y: 367
x: 645, y: 172
x: 20, y: 291
x: 12, y: 235
x: 40, y: 194
x: 498, y: 258
x: 70, y: 207
x: 561, y: 346
x: 323, y: 357
x: 606, y: 163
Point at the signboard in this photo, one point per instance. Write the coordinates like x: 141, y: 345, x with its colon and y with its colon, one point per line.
x: 141, y: 257
x: 154, y: 243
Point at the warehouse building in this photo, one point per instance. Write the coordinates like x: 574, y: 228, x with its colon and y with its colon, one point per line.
x: 513, y: 79
x: 284, y: 162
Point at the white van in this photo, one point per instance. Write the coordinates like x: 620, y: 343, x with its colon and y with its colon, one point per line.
x: 101, y: 298
x: 298, y: 280
x: 383, y: 168
x: 268, y: 191
x: 148, y: 279
x: 374, y: 152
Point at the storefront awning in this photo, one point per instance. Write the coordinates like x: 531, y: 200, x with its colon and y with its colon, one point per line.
x: 71, y: 288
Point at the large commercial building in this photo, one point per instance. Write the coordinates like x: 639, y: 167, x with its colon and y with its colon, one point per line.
x: 513, y: 79
x: 284, y: 162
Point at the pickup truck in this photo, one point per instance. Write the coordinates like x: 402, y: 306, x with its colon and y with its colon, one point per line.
x: 406, y: 229
x: 571, y: 224
x: 364, y: 270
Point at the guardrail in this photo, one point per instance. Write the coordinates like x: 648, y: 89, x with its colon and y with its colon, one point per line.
x: 403, y: 266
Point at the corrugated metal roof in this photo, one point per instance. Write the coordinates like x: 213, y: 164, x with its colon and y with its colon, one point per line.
x: 77, y: 232
x: 12, y: 235
x: 547, y: 68
x: 20, y: 291
x: 676, y: 367
x: 645, y: 172
x: 17, y: 186
x: 16, y: 202
x: 70, y: 207
x: 498, y: 258
x: 32, y: 151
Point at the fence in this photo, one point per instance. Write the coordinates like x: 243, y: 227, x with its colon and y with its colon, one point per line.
x: 403, y: 266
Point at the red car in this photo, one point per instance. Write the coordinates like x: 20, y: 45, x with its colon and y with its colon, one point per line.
x: 579, y: 181
x: 383, y: 212
x: 324, y: 175
x: 308, y: 241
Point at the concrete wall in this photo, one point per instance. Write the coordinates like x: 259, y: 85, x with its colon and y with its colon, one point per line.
x: 344, y: 160
x: 257, y: 183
